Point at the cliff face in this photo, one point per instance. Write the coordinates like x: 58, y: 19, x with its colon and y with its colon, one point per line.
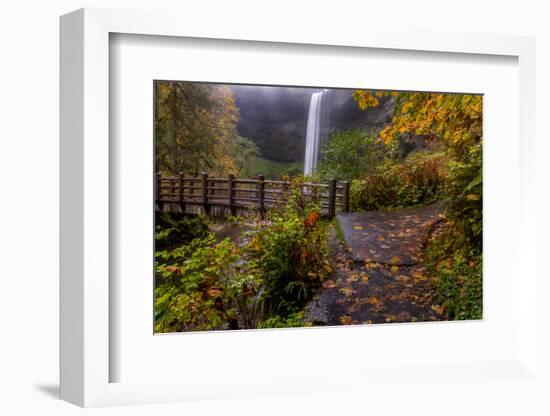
x: 343, y: 113
x: 275, y: 118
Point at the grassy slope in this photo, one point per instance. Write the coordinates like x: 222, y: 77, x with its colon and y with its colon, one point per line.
x: 270, y: 169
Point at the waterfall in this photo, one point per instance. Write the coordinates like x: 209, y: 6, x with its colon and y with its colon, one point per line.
x: 313, y: 133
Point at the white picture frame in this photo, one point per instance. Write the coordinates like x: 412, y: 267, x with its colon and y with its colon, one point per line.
x: 85, y: 212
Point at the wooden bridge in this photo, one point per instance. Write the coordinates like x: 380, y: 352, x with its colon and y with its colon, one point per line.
x: 235, y: 196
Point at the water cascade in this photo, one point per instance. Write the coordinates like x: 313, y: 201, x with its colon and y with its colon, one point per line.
x: 313, y: 133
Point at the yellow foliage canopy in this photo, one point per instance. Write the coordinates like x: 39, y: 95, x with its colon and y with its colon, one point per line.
x: 454, y: 118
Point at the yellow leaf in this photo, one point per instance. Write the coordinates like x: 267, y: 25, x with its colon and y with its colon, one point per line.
x: 373, y: 300
x: 353, y: 277
x: 437, y: 309
x: 214, y: 291
x: 395, y: 260
x: 329, y: 284
x: 345, y: 320
x: 347, y: 292
x: 418, y: 276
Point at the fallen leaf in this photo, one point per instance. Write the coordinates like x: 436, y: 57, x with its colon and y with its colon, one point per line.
x: 353, y: 277
x: 437, y: 309
x: 214, y: 291
x: 373, y: 300
x: 395, y: 260
x: 346, y: 291
x: 329, y: 284
x: 419, y: 277
x: 345, y: 320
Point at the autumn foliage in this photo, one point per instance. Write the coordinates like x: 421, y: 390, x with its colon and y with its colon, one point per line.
x: 263, y: 281
x: 455, y: 119
x: 196, y: 129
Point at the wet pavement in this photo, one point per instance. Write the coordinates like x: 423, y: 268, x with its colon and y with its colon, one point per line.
x: 379, y: 274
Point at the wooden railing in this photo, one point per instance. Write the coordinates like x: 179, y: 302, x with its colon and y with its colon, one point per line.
x: 211, y: 195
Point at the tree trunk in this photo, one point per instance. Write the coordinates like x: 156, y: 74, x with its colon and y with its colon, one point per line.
x: 173, y: 118
x: 156, y: 104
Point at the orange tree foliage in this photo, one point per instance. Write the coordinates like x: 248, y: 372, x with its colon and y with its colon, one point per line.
x: 454, y: 118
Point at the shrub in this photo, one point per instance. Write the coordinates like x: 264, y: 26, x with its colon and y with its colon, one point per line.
x: 454, y: 259
x: 456, y: 268
x: 419, y: 180
x: 290, y: 249
x: 263, y: 281
x: 177, y: 229
x: 295, y: 319
x: 206, y: 285
x: 349, y: 154
x: 465, y: 194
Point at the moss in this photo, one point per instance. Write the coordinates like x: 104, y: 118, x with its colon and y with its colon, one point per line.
x: 338, y: 229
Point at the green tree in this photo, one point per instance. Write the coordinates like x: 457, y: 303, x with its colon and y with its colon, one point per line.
x: 245, y: 151
x: 351, y: 154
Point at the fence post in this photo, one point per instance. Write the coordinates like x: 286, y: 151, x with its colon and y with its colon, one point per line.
x: 345, y: 196
x: 204, y: 183
x: 180, y: 191
x: 231, y: 194
x: 261, y: 186
x: 332, y: 198
x: 158, y: 190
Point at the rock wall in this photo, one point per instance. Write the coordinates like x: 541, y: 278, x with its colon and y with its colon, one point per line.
x: 275, y: 118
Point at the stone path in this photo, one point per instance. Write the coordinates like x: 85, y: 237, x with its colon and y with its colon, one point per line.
x: 379, y: 273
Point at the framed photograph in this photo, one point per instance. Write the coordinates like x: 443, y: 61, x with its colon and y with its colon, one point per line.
x: 274, y: 214
x: 285, y: 206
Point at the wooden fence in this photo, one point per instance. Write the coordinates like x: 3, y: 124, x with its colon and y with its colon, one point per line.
x: 234, y: 196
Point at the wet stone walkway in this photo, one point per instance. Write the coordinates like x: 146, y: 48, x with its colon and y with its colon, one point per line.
x: 379, y: 274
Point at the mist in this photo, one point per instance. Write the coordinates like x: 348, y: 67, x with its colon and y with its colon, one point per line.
x: 275, y: 118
